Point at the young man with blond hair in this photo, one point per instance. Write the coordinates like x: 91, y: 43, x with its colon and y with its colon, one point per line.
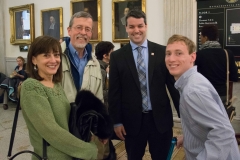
x: 207, y: 131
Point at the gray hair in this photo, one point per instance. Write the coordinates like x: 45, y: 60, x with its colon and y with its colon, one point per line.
x: 79, y: 15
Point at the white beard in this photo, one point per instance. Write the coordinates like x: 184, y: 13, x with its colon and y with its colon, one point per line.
x: 80, y: 46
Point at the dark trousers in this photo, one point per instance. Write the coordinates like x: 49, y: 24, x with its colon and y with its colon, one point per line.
x: 159, y: 143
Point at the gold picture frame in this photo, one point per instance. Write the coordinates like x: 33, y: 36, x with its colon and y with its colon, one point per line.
x: 22, y: 24
x: 119, y: 11
x: 52, y: 22
x: 94, y: 8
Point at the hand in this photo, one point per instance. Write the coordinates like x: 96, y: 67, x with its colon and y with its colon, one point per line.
x: 14, y: 73
x: 92, y: 138
x: 179, y: 141
x: 104, y: 141
x: 120, y: 132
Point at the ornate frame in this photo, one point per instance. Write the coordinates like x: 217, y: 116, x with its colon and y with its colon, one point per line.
x: 14, y: 12
x: 57, y: 13
x: 116, y: 37
x: 95, y: 37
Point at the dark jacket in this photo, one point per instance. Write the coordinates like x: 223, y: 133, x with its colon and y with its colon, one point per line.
x: 89, y: 107
x: 2, y: 77
x: 88, y: 113
x: 22, y: 72
x: 124, y: 95
x: 103, y: 66
x: 212, y: 63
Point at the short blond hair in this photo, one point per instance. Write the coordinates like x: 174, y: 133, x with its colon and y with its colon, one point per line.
x: 179, y: 38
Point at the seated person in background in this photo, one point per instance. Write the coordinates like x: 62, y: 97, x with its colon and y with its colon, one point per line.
x: 103, y: 51
x: 9, y: 86
x: 211, y: 61
x: 208, y: 133
x: 45, y: 106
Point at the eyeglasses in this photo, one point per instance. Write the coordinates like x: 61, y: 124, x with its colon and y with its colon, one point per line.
x: 81, y: 28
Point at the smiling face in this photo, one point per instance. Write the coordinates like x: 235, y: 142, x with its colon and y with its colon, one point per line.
x: 177, y: 59
x: 80, y: 32
x: 136, y: 29
x: 47, y: 63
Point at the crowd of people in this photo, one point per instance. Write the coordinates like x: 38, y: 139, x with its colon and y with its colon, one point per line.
x: 131, y: 81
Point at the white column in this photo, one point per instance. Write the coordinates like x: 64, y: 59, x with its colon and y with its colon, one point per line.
x: 2, y: 40
x: 179, y: 19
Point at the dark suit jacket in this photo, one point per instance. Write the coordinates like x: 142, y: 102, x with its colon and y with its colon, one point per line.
x: 125, y: 99
x: 212, y: 64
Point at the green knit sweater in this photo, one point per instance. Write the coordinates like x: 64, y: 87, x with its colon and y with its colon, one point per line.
x: 46, y: 112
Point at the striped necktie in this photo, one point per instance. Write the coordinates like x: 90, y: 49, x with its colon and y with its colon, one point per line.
x: 142, y: 78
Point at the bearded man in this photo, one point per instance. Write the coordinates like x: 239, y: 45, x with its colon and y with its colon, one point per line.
x: 81, y: 70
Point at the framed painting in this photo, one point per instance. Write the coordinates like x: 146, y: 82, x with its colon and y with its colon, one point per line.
x: 120, y: 9
x: 52, y: 22
x: 22, y: 24
x: 94, y: 8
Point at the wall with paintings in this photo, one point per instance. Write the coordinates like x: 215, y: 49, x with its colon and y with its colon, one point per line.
x: 154, y: 10
x: 13, y: 50
x: 157, y: 19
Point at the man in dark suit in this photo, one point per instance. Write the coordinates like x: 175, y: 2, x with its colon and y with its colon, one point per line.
x: 140, y: 107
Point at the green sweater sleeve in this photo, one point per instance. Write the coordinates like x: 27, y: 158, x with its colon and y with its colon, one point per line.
x: 47, y: 117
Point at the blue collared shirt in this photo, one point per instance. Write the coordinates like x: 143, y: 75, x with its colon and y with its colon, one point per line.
x: 208, y: 133
x: 145, y: 58
x: 79, y: 63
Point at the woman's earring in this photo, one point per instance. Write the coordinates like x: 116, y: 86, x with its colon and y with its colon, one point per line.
x: 35, y: 67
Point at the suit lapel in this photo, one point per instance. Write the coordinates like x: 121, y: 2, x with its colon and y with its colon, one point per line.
x: 131, y: 63
x: 151, y: 61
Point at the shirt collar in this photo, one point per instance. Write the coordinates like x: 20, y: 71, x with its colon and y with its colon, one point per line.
x: 74, y: 51
x: 134, y: 46
x: 180, y: 83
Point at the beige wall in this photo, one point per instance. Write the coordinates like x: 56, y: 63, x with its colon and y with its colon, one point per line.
x: 154, y: 9
x: 8, y: 52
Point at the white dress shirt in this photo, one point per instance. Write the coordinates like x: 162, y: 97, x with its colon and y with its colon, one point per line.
x: 207, y: 131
